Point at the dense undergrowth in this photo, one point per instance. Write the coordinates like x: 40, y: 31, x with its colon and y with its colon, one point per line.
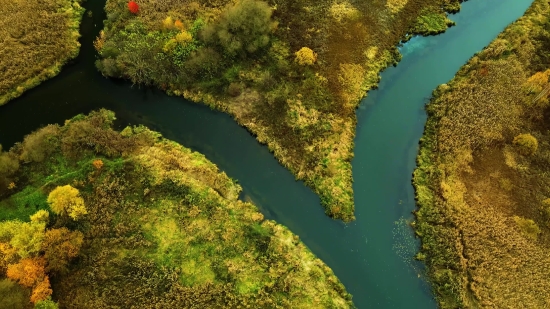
x: 292, y: 72
x: 145, y: 223
x: 36, y: 39
x: 482, y: 181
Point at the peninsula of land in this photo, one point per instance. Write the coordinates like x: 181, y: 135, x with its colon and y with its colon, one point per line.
x: 95, y: 218
x: 292, y: 72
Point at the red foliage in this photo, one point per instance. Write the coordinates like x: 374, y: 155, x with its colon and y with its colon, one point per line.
x: 133, y: 7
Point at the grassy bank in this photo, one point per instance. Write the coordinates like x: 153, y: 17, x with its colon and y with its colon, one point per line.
x: 38, y: 38
x: 131, y: 220
x: 292, y: 72
x: 482, y: 178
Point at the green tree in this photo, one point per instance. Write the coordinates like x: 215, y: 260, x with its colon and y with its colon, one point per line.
x: 12, y: 295
x: 46, y: 304
x: 244, y: 27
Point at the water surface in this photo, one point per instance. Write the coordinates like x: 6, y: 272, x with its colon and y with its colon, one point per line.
x: 373, y: 255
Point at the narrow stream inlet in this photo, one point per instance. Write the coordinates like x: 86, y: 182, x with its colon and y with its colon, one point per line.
x: 372, y: 256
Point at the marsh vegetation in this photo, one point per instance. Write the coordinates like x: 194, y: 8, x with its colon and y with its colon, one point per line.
x: 482, y: 178
x: 128, y: 219
x: 37, y: 38
x: 292, y: 72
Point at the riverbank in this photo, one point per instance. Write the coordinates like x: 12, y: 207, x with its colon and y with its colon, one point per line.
x: 159, y: 225
x: 38, y: 39
x: 481, y: 182
x: 295, y: 82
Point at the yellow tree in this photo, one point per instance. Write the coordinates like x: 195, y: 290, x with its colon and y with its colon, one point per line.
x: 67, y: 200
x: 306, y: 56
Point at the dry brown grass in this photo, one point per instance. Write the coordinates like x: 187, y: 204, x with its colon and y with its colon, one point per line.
x: 479, y: 217
x: 36, y: 39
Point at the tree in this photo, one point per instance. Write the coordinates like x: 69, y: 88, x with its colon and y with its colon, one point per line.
x: 527, y: 144
x: 244, y: 27
x: 41, y: 216
x: 46, y: 304
x: 306, y: 56
x: 67, y: 200
x: 12, y: 295
x: 60, y: 246
x: 28, y: 272
x: 41, y: 291
x: 133, y: 7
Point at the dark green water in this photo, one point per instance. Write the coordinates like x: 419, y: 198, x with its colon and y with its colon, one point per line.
x: 373, y: 255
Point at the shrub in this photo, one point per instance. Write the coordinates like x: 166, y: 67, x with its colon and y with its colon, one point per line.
x: 243, y: 27
x: 38, y: 145
x: 133, y: 7
x: 46, y: 304
x: 168, y: 23
x: 179, y: 25
x: 13, y: 295
x: 306, y: 56
x: 8, y: 164
x: 98, y: 164
x: 529, y: 228
x: 527, y: 144
x: 67, y: 200
x: 234, y: 89
x: 60, y: 246
x: 41, y: 216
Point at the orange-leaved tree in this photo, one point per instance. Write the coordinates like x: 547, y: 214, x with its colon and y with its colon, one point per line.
x: 28, y: 272
x: 41, y: 291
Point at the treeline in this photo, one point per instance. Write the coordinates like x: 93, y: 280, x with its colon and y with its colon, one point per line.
x: 482, y: 179
x: 92, y: 218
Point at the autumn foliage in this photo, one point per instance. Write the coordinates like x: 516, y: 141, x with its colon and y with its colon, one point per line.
x: 28, y: 272
x: 306, y: 56
x: 67, y: 200
x: 133, y: 7
x: 59, y: 246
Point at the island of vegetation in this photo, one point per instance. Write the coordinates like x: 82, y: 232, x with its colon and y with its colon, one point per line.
x: 94, y: 218
x: 38, y: 37
x: 483, y: 182
x: 292, y: 72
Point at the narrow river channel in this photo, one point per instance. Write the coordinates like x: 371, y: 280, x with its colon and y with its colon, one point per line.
x: 373, y: 255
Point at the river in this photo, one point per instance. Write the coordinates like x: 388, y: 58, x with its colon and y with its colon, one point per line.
x: 372, y: 256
